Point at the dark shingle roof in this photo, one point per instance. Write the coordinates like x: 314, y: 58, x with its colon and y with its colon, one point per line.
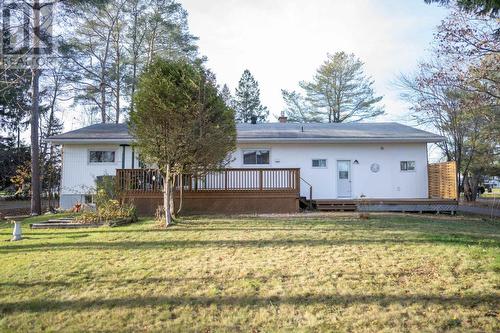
x: 273, y: 132
x: 334, y: 132
x: 97, y: 132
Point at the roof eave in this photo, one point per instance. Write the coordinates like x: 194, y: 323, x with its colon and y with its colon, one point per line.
x: 62, y: 141
x: 341, y: 140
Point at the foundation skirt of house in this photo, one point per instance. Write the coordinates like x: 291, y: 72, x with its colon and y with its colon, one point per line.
x: 219, y: 203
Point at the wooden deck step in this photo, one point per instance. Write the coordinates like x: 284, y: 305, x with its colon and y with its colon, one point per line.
x: 336, y: 205
x: 337, y: 208
x: 387, y: 205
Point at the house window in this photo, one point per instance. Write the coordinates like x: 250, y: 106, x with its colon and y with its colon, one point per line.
x: 407, y: 165
x: 255, y: 157
x: 101, y: 156
x: 88, y: 199
x: 319, y: 163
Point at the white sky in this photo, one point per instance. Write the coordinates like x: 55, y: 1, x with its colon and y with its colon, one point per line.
x: 283, y: 42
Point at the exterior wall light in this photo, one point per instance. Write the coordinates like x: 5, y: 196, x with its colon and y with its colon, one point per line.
x: 355, y: 162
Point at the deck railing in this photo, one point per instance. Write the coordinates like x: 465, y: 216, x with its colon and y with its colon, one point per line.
x: 139, y: 180
x: 225, y: 180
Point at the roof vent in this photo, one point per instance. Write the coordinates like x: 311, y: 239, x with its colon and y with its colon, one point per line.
x: 253, y: 120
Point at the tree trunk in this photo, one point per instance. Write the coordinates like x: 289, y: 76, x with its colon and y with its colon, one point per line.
x: 135, y: 57
x: 181, y: 192
x: 167, y: 192
x: 51, y: 178
x: 471, y: 183
x: 36, y: 205
x: 102, y: 89
x: 172, y: 193
x: 118, y: 75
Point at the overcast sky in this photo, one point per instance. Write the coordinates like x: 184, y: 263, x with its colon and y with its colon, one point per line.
x: 283, y: 42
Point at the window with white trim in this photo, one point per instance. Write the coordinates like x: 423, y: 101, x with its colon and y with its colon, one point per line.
x: 256, y: 157
x: 319, y: 163
x: 407, y: 165
x: 101, y: 156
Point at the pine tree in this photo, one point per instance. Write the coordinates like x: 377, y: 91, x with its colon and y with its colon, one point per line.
x: 341, y: 92
x: 111, y: 44
x: 247, y: 102
x: 227, y: 96
x: 299, y: 110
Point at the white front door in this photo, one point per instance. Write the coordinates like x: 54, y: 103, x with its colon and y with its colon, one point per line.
x: 344, y: 179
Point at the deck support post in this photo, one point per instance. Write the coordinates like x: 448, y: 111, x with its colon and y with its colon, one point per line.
x: 310, y: 198
x: 123, y: 156
x: 133, y: 158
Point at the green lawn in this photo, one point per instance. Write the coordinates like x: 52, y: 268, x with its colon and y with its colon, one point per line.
x: 388, y: 273
x: 495, y: 193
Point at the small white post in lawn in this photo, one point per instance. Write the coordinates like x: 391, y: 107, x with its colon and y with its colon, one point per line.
x: 17, y: 234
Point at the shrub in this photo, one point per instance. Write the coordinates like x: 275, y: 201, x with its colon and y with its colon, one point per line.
x: 106, y: 190
x: 87, y: 217
x: 112, y: 210
x: 109, y: 212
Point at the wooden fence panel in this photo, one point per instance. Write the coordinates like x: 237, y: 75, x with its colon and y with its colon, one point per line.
x: 443, y: 180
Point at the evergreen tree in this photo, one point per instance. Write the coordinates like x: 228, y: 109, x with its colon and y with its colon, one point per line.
x: 111, y: 44
x: 182, y: 100
x: 247, y: 102
x: 227, y: 96
x: 298, y: 109
x: 15, y: 101
x: 341, y: 92
x: 12, y: 157
x: 481, y: 7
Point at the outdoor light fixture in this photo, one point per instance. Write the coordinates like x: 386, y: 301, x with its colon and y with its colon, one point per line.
x: 355, y: 162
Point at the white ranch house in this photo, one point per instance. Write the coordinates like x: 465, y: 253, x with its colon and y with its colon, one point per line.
x: 336, y: 161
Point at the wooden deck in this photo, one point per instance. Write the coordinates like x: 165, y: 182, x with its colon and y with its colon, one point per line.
x: 273, y: 190
x: 390, y: 205
x: 226, y: 191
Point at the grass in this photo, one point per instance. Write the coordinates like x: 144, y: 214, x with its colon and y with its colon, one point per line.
x: 495, y: 193
x: 389, y: 273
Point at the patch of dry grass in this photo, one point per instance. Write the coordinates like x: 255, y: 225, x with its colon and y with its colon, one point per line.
x: 388, y: 273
